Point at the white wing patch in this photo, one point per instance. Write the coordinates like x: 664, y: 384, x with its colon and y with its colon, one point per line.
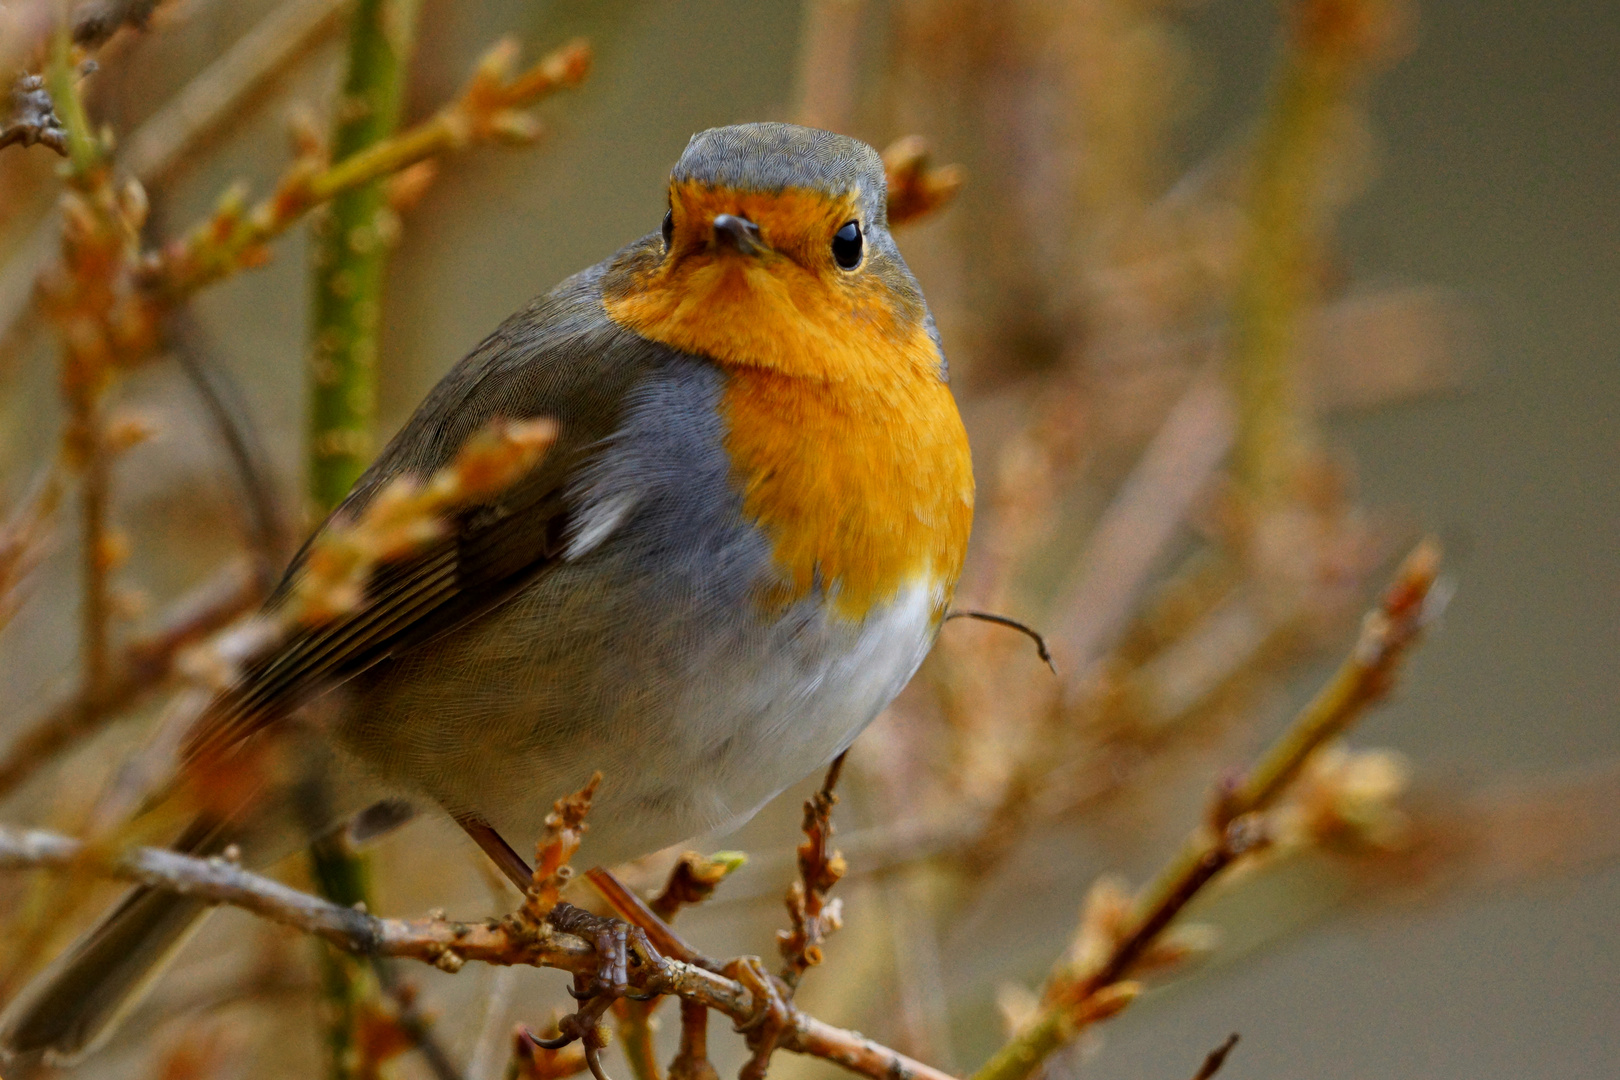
x: 600, y: 520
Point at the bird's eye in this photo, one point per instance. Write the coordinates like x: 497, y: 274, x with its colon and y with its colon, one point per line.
x: 669, y: 228
x: 846, y: 245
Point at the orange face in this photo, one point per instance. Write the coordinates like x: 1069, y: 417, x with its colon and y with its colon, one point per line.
x: 788, y: 307
x: 844, y: 439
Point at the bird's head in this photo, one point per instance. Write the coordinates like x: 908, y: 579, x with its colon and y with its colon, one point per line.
x: 775, y: 253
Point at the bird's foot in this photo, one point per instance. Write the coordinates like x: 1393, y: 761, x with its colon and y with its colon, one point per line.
x: 772, y: 1013
x: 619, y: 946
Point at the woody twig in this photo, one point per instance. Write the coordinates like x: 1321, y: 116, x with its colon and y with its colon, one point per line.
x: 813, y: 916
x: 1075, y: 999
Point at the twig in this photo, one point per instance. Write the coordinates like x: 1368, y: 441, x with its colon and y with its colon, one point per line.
x: 1217, y: 1057
x: 813, y: 916
x: 217, y: 92
x: 917, y: 187
x: 693, y: 879
x: 1139, y: 525
x: 32, y: 118
x: 691, y: 1061
x: 448, y: 945
x: 22, y: 536
x: 1028, y: 631
x: 489, y: 108
x: 1073, y: 1001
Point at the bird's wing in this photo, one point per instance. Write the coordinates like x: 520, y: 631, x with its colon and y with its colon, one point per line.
x: 560, y: 358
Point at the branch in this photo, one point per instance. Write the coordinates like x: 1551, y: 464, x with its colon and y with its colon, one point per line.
x: 813, y: 916
x: 489, y: 109
x: 1076, y: 999
x: 917, y: 187
x: 444, y: 943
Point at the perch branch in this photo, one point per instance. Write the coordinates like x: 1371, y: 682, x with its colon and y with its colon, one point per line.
x: 447, y: 944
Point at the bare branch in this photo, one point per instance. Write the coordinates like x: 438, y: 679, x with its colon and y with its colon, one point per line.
x: 1076, y: 999
x: 447, y: 944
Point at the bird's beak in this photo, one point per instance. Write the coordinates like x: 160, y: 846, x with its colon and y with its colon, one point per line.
x: 739, y: 234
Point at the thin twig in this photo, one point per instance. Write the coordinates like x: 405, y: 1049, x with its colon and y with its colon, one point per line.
x: 1074, y: 1001
x: 489, y: 108
x: 812, y: 915
x: 216, y: 93
x: 1217, y: 1057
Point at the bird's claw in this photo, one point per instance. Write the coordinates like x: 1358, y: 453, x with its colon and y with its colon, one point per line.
x: 618, y: 945
x: 772, y: 1014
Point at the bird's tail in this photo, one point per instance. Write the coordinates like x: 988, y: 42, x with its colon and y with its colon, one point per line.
x: 72, y: 1006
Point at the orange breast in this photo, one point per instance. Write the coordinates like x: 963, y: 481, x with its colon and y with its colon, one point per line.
x: 844, y: 440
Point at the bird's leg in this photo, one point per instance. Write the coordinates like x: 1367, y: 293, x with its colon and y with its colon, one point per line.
x: 618, y: 945
x: 510, y: 863
x: 772, y: 1015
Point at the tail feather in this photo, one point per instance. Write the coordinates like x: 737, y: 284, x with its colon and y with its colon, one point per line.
x: 71, y: 1007
x: 68, y: 1010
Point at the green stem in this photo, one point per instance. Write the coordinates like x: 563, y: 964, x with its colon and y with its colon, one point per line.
x: 351, y: 249
x: 352, y: 243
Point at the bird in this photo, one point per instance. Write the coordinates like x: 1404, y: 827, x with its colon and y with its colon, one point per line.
x: 741, y: 546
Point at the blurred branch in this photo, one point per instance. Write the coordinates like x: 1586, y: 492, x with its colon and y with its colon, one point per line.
x: 96, y: 22
x: 1328, y: 44
x: 1074, y: 999
x: 1139, y: 524
x: 1217, y: 1058
x: 216, y: 93
x: 828, y: 69
x: 917, y: 187
x: 488, y: 109
x: 23, y: 536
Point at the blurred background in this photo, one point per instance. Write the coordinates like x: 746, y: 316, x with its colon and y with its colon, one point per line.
x: 1456, y: 335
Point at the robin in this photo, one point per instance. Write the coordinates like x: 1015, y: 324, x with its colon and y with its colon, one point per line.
x: 738, y: 551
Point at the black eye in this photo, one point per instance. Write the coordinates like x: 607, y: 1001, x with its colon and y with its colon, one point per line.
x: 669, y: 228
x: 847, y: 245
